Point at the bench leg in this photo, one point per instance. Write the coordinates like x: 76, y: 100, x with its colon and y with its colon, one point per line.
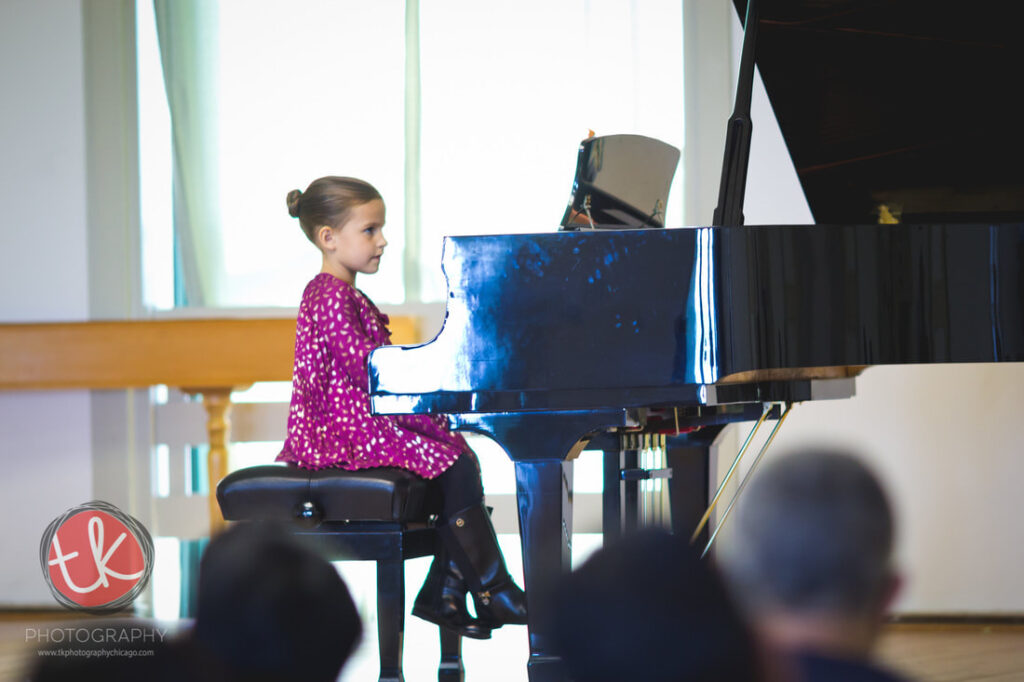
x: 390, y: 618
x: 451, y: 669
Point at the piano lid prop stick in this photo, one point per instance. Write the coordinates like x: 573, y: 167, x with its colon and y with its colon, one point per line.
x: 733, y: 185
x: 746, y: 479
x: 728, y: 475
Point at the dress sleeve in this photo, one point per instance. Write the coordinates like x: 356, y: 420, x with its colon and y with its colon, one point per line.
x: 346, y: 338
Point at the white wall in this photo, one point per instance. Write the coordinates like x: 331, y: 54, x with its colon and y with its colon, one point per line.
x: 44, y: 447
x: 944, y: 438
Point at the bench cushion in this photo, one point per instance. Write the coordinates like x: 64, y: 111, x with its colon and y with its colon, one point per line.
x: 274, y: 492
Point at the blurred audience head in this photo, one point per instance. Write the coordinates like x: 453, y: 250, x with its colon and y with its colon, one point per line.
x: 272, y: 609
x: 808, y: 552
x: 647, y: 608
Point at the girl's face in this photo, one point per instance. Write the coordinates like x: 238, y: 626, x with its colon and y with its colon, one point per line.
x: 356, y: 245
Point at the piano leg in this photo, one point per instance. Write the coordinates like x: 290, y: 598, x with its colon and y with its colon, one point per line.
x: 689, y: 457
x: 544, y: 490
x: 631, y: 491
x: 538, y: 444
x: 621, y: 498
x: 611, y: 496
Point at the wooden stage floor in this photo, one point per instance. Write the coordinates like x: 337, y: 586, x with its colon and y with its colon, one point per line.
x: 955, y: 652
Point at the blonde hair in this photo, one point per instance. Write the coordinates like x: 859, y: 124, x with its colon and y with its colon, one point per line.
x: 328, y: 201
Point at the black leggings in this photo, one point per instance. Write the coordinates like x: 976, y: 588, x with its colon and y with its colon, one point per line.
x: 460, y: 485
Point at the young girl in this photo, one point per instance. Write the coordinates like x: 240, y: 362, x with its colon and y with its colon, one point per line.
x: 330, y: 425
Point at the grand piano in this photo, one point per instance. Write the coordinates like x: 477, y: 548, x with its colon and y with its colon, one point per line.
x: 900, y: 118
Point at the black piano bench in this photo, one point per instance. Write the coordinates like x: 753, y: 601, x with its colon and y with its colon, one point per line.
x: 381, y: 515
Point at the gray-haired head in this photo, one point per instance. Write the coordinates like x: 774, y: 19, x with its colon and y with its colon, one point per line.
x: 813, y: 534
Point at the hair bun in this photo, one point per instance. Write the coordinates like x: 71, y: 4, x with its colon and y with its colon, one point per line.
x: 293, y: 202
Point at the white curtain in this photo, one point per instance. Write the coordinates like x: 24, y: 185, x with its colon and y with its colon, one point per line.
x: 188, y: 36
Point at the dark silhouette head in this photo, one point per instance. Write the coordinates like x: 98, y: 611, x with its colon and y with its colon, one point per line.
x: 271, y: 608
x: 647, y: 608
x: 809, y: 554
x: 813, y: 534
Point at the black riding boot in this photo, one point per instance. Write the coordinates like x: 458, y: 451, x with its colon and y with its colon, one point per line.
x: 442, y: 599
x: 473, y: 545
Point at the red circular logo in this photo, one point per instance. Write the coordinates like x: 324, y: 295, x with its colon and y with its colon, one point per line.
x: 95, y: 557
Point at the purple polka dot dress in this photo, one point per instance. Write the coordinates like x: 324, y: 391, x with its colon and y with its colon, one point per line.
x: 329, y: 424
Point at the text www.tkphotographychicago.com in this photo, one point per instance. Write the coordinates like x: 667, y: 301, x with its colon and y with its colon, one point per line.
x: 97, y: 653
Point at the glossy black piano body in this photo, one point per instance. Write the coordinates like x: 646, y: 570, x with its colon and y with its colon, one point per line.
x: 634, y: 318
x: 553, y: 336
x: 550, y: 337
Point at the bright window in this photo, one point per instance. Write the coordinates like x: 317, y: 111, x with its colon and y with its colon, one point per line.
x: 510, y: 89
x: 318, y: 87
x: 309, y: 88
x: 155, y: 191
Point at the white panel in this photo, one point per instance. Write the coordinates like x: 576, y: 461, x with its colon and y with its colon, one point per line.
x: 180, y: 423
x: 709, y: 74
x: 259, y: 422
x: 186, y: 518
x: 774, y: 195
x: 42, y: 170
x: 43, y: 274
x: 47, y: 470
x: 177, y: 461
x: 945, y: 441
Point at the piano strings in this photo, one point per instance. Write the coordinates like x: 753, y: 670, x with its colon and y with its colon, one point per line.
x: 653, y: 498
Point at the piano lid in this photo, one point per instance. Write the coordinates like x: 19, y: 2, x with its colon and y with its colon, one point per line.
x: 911, y: 103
